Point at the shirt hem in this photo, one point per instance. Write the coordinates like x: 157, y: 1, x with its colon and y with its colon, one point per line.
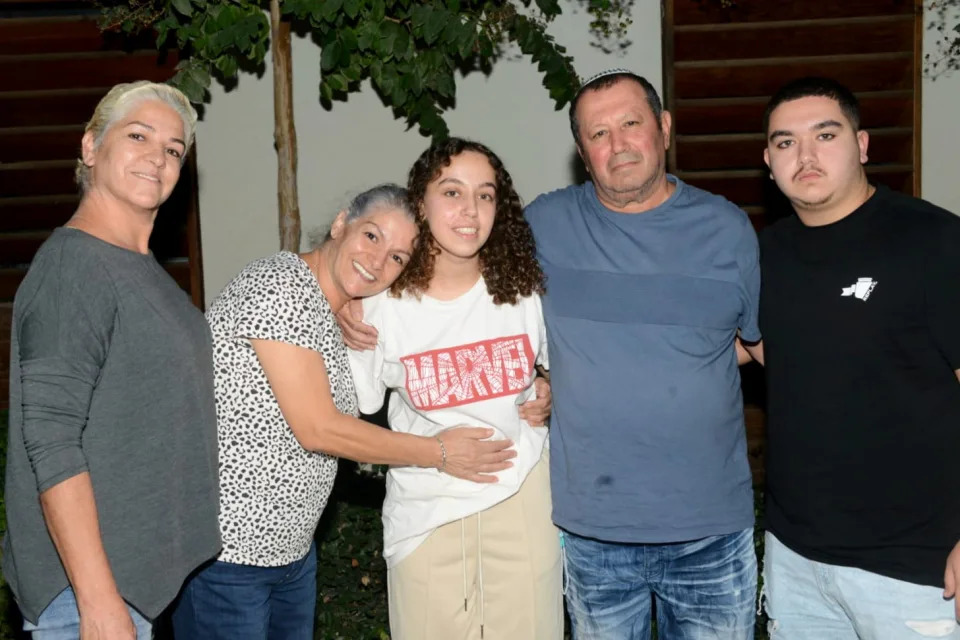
x: 634, y: 535
x: 816, y: 555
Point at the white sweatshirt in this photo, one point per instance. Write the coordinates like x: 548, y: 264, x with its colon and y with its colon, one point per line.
x: 459, y: 362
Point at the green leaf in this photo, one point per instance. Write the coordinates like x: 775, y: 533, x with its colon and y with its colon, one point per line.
x: 351, y: 8
x: 376, y: 71
x: 183, y: 7
x: 353, y: 72
x: 402, y: 45
x: 389, y: 31
x: 414, y: 82
x: 377, y: 11
x: 330, y: 55
x: 468, y: 38
x: 451, y: 31
x: 328, y: 10
x: 436, y: 21
x: 419, y: 16
x: 446, y: 86
x: 367, y: 34
x: 227, y: 65
x: 388, y: 80
x: 199, y: 74
x: 550, y: 8
x: 399, y: 95
x: 336, y: 82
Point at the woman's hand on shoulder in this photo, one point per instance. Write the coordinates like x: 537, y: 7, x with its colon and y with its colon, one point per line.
x: 470, y: 455
x: 357, y: 335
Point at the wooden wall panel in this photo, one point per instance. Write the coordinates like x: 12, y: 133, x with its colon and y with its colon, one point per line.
x: 762, y: 77
x: 744, y: 115
x: 48, y: 108
x: 713, y: 12
x: 33, y: 72
x: 36, y: 213
x: 37, y: 178
x: 733, y: 41
x: 21, y: 144
x: 70, y: 34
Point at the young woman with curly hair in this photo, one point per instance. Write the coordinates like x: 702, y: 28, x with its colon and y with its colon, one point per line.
x: 458, y: 337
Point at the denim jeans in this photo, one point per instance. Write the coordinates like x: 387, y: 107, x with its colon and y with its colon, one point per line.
x: 704, y: 589
x: 809, y: 600
x: 61, y: 620
x: 225, y: 601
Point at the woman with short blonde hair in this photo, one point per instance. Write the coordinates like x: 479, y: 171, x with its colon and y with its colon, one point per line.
x: 111, y: 480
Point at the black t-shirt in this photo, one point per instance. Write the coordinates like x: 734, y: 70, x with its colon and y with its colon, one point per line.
x: 861, y: 331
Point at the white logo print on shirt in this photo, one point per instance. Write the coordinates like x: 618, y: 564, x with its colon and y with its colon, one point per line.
x: 861, y: 289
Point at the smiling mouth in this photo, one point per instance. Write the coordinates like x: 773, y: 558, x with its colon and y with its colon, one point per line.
x: 469, y: 232
x: 366, y: 275
x: 146, y: 176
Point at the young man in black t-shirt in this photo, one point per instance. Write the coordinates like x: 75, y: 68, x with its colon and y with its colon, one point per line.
x: 860, y: 315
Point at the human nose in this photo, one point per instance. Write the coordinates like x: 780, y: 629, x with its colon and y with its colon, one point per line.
x: 618, y: 142
x: 380, y: 257
x: 157, y: 156
x: 470, y: 206
x: 806, y: 151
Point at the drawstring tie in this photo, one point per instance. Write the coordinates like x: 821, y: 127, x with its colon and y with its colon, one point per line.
x: 463, y: 560
x: 480, y: 572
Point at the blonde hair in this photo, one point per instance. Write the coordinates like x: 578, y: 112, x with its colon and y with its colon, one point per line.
x: 119, y: 100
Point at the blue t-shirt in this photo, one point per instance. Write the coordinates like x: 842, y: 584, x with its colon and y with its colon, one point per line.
x: 647, y: 436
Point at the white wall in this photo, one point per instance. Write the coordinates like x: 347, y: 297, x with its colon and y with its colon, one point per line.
x: 940, y: 138
x: 359, y: 143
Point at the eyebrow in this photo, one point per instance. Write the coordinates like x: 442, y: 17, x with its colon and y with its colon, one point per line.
x: 458, y: 181
x: 380, y: 233
x: 780, y: 133
x: 375, y: 226
x: 146, y: 126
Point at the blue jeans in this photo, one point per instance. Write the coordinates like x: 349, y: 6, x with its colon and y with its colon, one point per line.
x: 226, y: 601
x: 808, y: 600
x: 704, y: 589
x: 61, y: 620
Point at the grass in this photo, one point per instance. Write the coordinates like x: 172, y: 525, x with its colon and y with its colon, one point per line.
x: 351, y: 573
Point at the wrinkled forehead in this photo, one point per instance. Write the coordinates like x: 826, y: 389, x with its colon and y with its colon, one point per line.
x: 623, y: 97
x: 136, y: 108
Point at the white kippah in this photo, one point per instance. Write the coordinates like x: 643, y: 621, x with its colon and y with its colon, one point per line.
x: 604, y: 74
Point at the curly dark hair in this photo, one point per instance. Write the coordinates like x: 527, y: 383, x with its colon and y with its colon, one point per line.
x: 508, y: 259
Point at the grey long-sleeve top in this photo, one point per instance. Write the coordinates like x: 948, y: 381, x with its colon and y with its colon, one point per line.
x: 111, y: 374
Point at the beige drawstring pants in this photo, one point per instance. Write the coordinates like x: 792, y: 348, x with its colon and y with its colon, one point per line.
x: 495, y: 575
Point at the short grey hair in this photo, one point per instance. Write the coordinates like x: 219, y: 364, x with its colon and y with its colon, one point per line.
x: 382, y: 196
x: 118, y: 102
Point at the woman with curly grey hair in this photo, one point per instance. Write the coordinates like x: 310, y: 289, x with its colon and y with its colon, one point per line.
x: 111, y: 480
x: 287, y: 409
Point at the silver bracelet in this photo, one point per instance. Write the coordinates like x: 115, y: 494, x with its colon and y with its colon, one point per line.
x: 443, y: 455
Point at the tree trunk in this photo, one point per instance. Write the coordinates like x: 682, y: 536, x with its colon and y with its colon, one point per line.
x: 284, y: 133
